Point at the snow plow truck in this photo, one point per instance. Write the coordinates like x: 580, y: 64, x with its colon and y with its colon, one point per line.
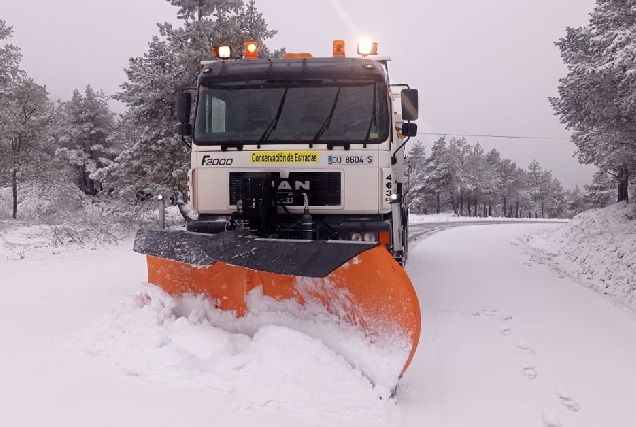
x: 297, y: 177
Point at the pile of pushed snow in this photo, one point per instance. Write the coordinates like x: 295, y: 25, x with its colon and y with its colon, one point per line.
x: 297, y: 358
x: 597, y: 248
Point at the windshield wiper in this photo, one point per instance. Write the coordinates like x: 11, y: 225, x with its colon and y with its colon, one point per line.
x: 327, y: 122
x: 374, y: 113
x: 272, y: 125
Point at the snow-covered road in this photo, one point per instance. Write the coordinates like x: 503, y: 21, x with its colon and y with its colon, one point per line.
x: 505, y: 342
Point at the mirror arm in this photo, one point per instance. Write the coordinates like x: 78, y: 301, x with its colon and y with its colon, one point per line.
x: 393, y: 157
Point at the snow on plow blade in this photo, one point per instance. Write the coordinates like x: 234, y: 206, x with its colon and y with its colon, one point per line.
x: 360, y: 283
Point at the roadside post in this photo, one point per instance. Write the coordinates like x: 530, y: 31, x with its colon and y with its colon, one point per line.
x: 162, y: 212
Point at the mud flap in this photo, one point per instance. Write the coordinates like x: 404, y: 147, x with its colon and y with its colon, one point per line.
x: 361, y: 283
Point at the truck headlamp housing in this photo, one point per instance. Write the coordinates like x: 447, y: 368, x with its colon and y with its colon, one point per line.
x: 356, y: 237
x: 370, y: 237
x: 222, y: 52
x: 367, y: 47
x: 364, y: 236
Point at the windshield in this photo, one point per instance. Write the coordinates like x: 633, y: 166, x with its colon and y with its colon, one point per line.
x: 287, y: 112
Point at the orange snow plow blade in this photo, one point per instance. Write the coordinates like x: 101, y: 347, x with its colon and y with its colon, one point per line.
x: 360, y: 283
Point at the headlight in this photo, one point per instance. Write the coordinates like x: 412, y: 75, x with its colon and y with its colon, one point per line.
x: 222, y: 52
x: 370, y: 237
x: 356, y: 237
x: 367, y: 47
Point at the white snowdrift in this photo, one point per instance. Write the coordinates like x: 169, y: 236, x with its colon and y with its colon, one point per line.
x: 598, y: 249
x: 279, y: 354
x: 450, y: 217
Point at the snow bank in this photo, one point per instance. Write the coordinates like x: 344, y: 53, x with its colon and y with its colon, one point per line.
x: 98, y: 225
x: 451, y: 217
x: 281, y: 355
x: 597, y: 248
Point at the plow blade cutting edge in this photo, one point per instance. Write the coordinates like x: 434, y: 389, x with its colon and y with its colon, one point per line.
x: 359, y: 282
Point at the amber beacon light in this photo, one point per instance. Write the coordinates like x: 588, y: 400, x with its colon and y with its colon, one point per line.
x: 251, y: 50
x: 338, y: 49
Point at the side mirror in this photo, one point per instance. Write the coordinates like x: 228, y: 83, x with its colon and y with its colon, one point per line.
x: 409, y: 129
x: 410, y: 105
x: 184, y: 107
x: 184, y: 129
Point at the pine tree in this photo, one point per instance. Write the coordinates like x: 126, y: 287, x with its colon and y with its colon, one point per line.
x: 10, y: 74
x: 436, y: 176
x: 9, y: 59
x: 26, y: 122
x: 492, y: 180
x: 602, y: 191
x: 575, y: 202
x: 86, y: 125
x: 597, y: 98
x: 416, y: 160
x: 157, y: 158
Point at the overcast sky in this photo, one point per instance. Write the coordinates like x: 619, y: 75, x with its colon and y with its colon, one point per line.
x: 481, y: 66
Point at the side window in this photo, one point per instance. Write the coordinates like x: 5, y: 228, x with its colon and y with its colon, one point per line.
x: 211, y: 115
x: 218, y: 114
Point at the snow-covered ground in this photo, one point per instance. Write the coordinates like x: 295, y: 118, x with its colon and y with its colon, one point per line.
x: 508, y: 340
x: 450, y: 217
x: 597, y: 249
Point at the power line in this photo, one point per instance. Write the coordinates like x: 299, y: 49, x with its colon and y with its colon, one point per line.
x: 493, y: 136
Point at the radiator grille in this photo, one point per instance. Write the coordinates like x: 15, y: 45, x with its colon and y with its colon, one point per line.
x: 325, y: 188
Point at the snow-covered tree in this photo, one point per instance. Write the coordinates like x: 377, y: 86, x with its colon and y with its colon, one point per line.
x: 555, y: 202
x: 455, y: 158
x: 602, y: 192
x: 156, y: 157
x: 458, y: 174
x: 86, y: 124
x: 416, y: 160
x: 492, y: 181
x: 597, y: 98
x: 575, y: 202
x: 9, y: 59
x: 436, y: 176
x: 9, y: 74
x: 27, y: 117
x: 197, y: 9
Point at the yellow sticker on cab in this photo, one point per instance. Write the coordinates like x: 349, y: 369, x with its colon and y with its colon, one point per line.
x: 278, y: 157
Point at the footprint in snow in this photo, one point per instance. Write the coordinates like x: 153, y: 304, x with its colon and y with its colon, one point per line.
x: 530, y: 372
x: 567, y: 401
x: 521, y: 345
x: 504, y: 330
x: 550, y: 419
x: 484, y: 313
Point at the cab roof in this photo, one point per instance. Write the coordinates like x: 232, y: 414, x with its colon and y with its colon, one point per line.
x: 293, y: 68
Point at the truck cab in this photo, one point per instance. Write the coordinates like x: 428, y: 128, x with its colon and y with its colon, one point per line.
x: 300, y: 148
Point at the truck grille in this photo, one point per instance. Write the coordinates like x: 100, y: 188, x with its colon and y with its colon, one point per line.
x: 325, y: 188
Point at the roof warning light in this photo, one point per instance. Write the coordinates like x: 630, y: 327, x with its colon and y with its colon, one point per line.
x: 338, y: 48
x: 251, y: 50
x: 367, y: 47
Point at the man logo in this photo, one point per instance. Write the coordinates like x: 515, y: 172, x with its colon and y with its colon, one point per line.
x: 209, y: 161
x: 298, y: 185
